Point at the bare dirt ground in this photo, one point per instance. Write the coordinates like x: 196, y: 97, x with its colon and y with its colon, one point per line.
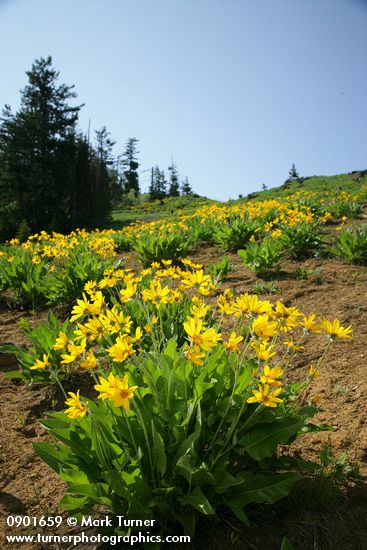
x: 28, y: 486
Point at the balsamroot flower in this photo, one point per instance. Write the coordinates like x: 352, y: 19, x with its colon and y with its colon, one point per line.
x: 205, y: 339
x: 264, y: 328
x: 335, y: 330
x: 264, y: 396
x: 76, y: 409
x: 117, y: 390
x: 41, y: 365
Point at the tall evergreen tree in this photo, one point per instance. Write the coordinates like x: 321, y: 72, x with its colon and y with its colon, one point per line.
x: 36, y: 150
x: 186, y: 187
x: 131, y: 165
x: 103, y: 180
x: 293, y: 174
x: 174, y: 187
x: 158, y: 185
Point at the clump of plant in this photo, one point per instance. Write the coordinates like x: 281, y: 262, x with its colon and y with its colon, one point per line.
x: 351, y: 246
x: 27, y: 276
x: 337, y: 467
x: 122, y: 241
x: 162, y: 246
x: 235, y: 233
x: 47, y: 270
x: 203, y: 232
x: 260, y: 287
x: 219, y: 270
x: 181, y: 427
x: 303, y: 240
x: 262, y: 257
x: 305, y: 274
x: 41, y: 361
x: 73, y: 272
x: 348, y: 208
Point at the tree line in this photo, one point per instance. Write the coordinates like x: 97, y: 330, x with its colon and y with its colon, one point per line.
x: 55, y: 177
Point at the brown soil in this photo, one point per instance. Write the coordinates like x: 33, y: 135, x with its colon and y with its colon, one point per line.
x: 28, y: 486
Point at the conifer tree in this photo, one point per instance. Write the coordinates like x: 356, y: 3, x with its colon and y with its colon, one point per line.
x: 131, y: 165
x: 158, y: 185
x: 186, y: 187
x: 36, y: 150
x: 174, y: 187
x: 103, y: 182
x: 293, y: 174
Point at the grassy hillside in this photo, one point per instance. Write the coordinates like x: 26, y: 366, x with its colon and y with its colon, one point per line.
x: 146, y: 211
x: 149, y: 211
x: 351, y: 183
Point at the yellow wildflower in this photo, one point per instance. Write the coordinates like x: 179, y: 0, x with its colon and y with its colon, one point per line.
x: 156, y: 294
x: 199, y: 309
x: 195, y: 355
x: 202, y: 283
x: 232, y: 343
x: 76, y: 409
x: 264, y: 328
x: 250, y: 304
x: 309, y: 324
x: 292, y: 345
x: 334, y: 329
x: 41, y: 365
x: 84, y: 306
x: 128, y: 293
x: 262, y: 395
x: 117, y: 390
x: 61, y: 341
x: 122, y: 349
x: 262, y: 350
x: 224, y: 306
x: 204, y: 339
x: 90, y: 361
x: 314, y: 372
x: 270, y: 376
x: 74, y: 352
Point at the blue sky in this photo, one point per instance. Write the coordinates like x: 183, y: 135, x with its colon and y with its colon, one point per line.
x: 234, y: 90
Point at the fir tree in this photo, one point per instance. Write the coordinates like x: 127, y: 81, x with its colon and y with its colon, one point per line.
x: 102, y: 177
x: 174, y: 187
x: 186, y: 187
x: 131, y: 165
x: 158, y: 185
x: 293, y: 174
x: 36, y: 152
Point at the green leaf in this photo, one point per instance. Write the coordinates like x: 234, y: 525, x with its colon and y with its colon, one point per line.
x: 72, y: 503
x: 286, y: 545
x: 159, y: 450
x: 189, y: 523
x: 191, y: 472
x: 53, y: 455
x: 75, y: 441
x: 241, y: 516
x: 262, y: 440
x: 73, y: 476
x: 190, y: 441
x: 14, y: 375
x: 198, y: 500
x: 98, y: 492
x: 310, y: 428
x: 261, y: 488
